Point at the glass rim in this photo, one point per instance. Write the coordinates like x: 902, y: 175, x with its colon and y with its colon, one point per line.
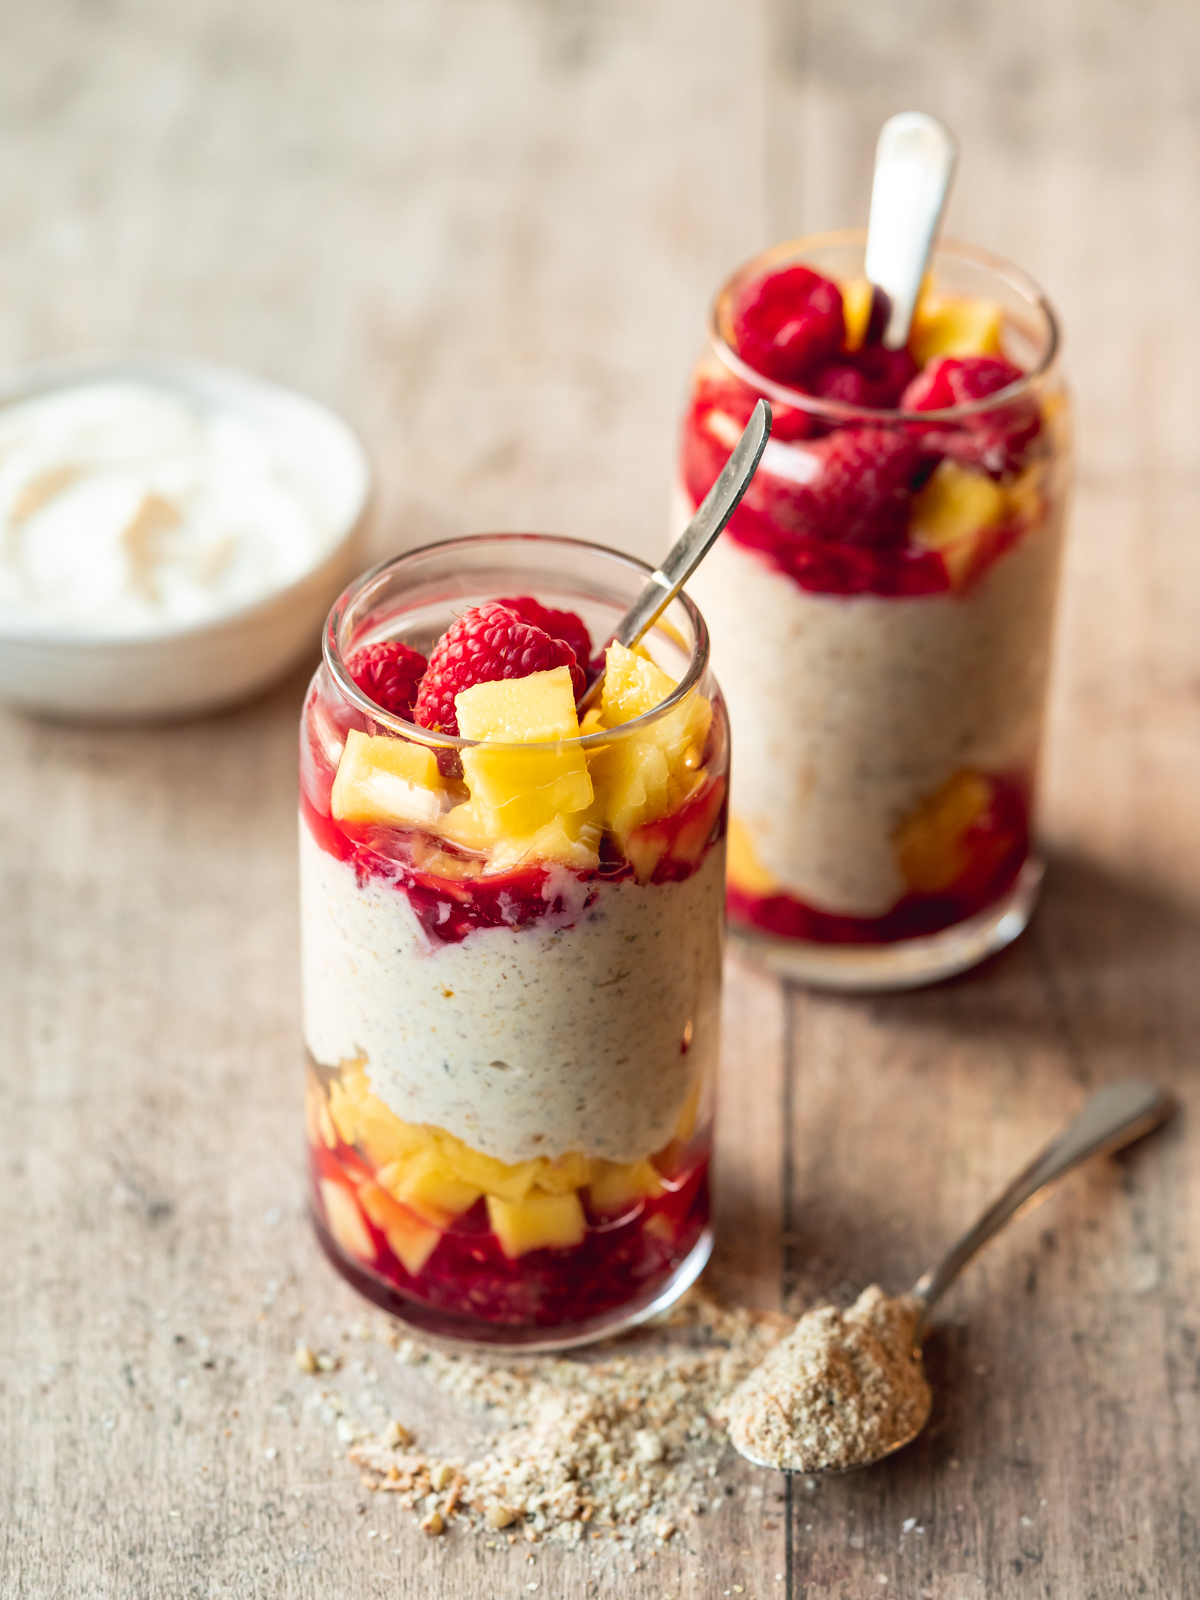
x: 841, y: 411
x: 335, y: 662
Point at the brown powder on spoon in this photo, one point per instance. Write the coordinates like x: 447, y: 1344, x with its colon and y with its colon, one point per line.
x: 842, y: 1389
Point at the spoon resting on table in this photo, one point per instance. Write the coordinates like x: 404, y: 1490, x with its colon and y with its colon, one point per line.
x: 694, y: 543
x: 845, y: 1389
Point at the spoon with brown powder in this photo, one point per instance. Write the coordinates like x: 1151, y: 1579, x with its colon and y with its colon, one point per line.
x: 847, y: 1388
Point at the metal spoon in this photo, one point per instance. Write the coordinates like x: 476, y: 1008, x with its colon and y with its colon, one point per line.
x: 694, y: 543
x: 1114, y: 1117
x: 914, y: 166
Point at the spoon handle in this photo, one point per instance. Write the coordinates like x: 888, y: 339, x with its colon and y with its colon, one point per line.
x: 1113, y: 1117
x: 696, y: 540
x: 914, y: 165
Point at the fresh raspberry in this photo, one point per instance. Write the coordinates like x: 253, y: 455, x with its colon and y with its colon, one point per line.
x: 564, y: 625
x: 872, y: 377
x: 994, y: 440
x: 390, y: 674
x: 486, y: 643
x: 956, y: 380
x: 788, y: 324
x: 859, y: 492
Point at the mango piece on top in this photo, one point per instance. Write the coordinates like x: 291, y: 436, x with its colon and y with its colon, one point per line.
x: 383, y: 779
x: 522, y: 790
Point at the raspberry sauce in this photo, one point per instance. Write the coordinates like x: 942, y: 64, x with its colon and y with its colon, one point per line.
x: 620, y: 1264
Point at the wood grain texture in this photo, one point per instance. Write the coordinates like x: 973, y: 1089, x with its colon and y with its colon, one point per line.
x: 486, y: 230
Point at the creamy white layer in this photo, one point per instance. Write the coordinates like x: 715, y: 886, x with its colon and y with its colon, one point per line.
x: 848, y: 710
x: 523, y: 1042
x: 129, y: 506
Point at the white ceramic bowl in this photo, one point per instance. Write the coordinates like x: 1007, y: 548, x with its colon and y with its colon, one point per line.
x: 186, y: 670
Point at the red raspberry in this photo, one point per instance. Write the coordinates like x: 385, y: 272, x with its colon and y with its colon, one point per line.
x: 390, y: 674
x: 788, y: 324
x: 872, y: 377
x: 994, y: 440
x: 859, y: 493
x: 486, y: 643
x: 956, y: 380
x: 564, y: 625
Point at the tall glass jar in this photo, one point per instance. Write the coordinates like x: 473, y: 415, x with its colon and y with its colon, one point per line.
x: 881, y: 607
x: 512, y: 967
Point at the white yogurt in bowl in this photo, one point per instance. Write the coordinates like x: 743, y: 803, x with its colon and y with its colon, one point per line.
x: 171, y: 534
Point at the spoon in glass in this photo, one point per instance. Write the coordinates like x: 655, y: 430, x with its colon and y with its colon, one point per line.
x: 914, y: 167
x: 1112, y: 1118
x: 694, y: 543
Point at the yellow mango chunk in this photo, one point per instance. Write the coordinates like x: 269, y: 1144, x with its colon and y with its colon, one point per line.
x: 643, y: 778
x: 633, y: 685
x: 618, y: 1185
x: 318, y: 1123
x: 951, y: 512
x: 742, y: 866
x: 345, y: 1221
x: 410, y: 1240
x: 426, y: 1186
x: 524, y: 789
x: 384, y: 780
x: 484, y: 1173
x: 574, y: 840
x: 856, y: 308
x: 569, y: 1172
x: 363, y: 1120
x: 470, y: 826
x: 541, y: 1222
x: 931, y: 847
x: 635, y: 780
x: 945, y: 325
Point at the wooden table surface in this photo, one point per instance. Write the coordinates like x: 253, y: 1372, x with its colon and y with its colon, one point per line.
x: 486, y: 231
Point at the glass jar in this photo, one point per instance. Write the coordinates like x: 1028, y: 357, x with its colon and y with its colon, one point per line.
x: 511, y: 970
x: 881, y: 607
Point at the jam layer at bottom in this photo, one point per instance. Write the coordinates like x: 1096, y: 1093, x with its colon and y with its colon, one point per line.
x: 469, y: 1288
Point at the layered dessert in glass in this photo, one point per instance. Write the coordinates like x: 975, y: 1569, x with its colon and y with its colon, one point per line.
x: 512, y: 925
x: 881, y: 606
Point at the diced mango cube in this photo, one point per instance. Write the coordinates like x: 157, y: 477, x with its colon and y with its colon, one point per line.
x: 953, y: 504
x: 525, y: 789
x: 541, y: 1222
x: 931, y: 843
x: 954, y: 513
x: 319, y: 1123
x: 573, y: 840
x: 386, y: 780
x: 643, y: 778
x: 945, y: 325
x: 345, y: 1220
x: 484, y: 1173
x: 633, y: 685
x: 363, y: 1120
x: 572, y: 1171
x: 742, y: 866
x: 426, y: 1186
x: 635, y: 779
x: 857, y: 297
x: 616, y: 1186
x: 410, y: 1240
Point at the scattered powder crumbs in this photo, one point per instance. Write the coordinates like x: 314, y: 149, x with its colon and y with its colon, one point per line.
x: 840, y: 1390
x: 621, y: 1447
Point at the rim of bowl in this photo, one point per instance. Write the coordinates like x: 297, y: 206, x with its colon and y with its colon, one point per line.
x: 331, y: 652
x: 36, y: 378
x: 794, y: 250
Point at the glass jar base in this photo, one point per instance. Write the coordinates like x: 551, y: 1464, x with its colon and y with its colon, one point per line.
x: 437, y: 1325
x: 904, y: 963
